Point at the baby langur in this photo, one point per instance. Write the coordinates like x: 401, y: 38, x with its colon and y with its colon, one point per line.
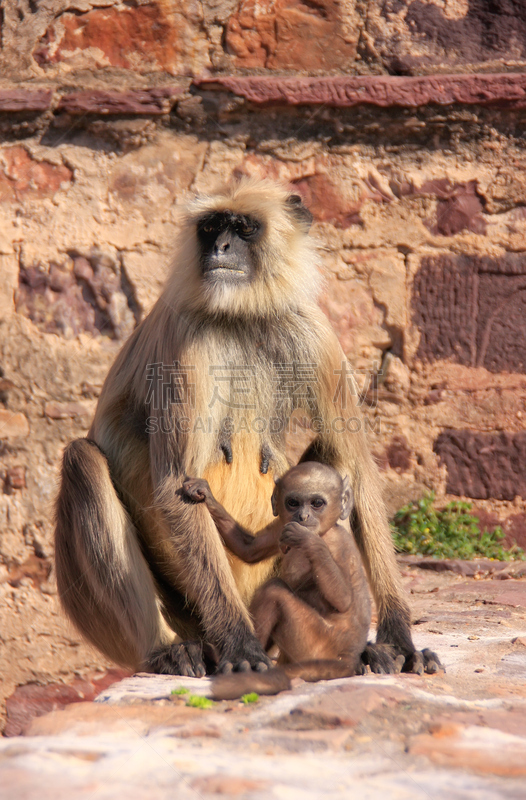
x: 318, y: 611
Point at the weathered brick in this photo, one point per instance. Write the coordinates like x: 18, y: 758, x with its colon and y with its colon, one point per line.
x: 13, y: 424
x: 483, y: 465
x: 82, y: 295
x: 415, y: 35
x: 148, y: 101
x: 273, y: 34
x: 150, y: 37
x: 23, y: 177
x: 471, y: 309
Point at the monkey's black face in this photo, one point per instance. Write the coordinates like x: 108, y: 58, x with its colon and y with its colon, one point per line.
x: 227, y: 242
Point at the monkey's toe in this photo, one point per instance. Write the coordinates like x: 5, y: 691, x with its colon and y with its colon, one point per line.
x: 423, y: 661
x: 246, y: 655
x: 381, y: 659
x: 184, y: 659
x: 432, y: 662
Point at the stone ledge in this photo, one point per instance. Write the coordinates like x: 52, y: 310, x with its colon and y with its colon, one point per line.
x: 148, y: 101
x: 337, y: 92
x: 25, y: 99
x: 405, y: 92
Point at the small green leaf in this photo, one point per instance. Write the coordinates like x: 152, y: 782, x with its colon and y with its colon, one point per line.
x: 180, y: 690
x: 196, y: 701
x: 252, y: 697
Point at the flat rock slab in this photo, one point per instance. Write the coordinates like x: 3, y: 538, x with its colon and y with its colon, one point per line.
x: 143, y: 687
x: 459, y: 734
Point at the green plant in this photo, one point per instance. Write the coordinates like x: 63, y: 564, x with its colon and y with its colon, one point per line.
x: 196, y: 701
x: 180, y: 690
x: 450, y: 532
x: 252, y: 697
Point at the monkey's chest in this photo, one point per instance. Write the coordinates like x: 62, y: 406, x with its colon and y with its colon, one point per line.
x: 296, y: 570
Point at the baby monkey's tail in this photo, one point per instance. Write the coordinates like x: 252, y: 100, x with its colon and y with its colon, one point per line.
x: 278, y: 679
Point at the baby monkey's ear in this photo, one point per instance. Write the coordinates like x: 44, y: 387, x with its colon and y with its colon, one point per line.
x: 274, y: 499
x: 347, y: 498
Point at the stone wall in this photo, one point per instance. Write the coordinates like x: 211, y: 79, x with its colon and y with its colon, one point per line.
x: 402, y: 125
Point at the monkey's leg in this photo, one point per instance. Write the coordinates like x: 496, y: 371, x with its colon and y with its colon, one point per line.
x: 103, y: 580
x: 201, y: 570
x: 296, y: 628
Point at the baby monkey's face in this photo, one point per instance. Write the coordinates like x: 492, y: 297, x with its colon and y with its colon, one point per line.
x: 316, y: 510
x: 313, y: 495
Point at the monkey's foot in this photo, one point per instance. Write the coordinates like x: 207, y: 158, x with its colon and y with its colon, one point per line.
x: 185, y: 659
x: 382, y: 659
x: 244, y: 656
x: 423, y: 661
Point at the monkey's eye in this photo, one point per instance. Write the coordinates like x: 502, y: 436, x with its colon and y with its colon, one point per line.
x: 246, y: 227
x: 318, y: 502
x: 292, y: 503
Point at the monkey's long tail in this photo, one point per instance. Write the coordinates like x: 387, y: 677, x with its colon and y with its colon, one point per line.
x: 278, y: 679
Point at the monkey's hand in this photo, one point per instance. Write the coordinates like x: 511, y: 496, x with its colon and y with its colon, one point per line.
x: 296, y: 535
x: 243, y: 654
x: 197, y: 489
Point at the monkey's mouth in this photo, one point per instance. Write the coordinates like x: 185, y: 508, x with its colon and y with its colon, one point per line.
x: 223, y: 268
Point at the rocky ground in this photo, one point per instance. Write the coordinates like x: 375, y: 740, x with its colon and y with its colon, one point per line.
x: 461, y: 734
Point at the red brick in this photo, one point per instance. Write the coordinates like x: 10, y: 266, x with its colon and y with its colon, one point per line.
x: 144, y: 38
x: 273, y: 34
x: 23, y: 177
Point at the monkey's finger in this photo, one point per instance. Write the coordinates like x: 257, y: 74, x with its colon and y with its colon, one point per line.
x: 261, y: 666
x: 432, y: 662
x: 195, y: 656
x: 243, y: 666
x: 399, y: 663
x: 415, y: 663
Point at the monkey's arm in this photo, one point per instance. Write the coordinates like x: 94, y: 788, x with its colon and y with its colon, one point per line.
x: 200, y: 564
x: 330, y: 579
x: 242, y: 543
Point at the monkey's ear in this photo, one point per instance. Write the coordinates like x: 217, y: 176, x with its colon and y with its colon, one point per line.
x: 300, y: 213
x: 347, y: 498
x: 274, y: 499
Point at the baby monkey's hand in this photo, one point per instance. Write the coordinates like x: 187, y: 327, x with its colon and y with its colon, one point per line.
x: 197, y: 489
x: 294, y: 535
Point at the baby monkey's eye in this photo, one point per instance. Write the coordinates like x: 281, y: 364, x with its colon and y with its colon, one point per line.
x: 292, y: 503
x: 318, y: 502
